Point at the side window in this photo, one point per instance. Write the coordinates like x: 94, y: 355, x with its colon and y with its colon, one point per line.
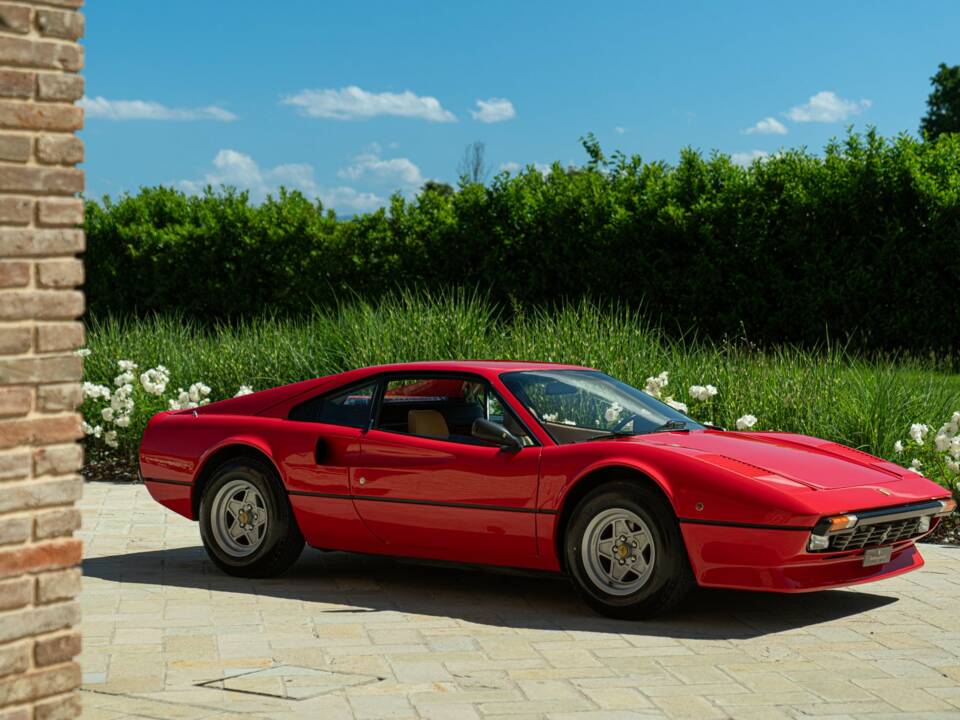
x: 439, y: 407
x: 350, y: 408
x: 443, y: 408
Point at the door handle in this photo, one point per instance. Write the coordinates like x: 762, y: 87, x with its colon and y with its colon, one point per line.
x: 320, y: 451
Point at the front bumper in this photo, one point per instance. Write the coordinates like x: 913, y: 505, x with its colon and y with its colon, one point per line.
x: 777, y: 560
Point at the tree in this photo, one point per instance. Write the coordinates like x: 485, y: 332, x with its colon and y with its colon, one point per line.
x: 943, y: 105
x: 436, y: 187
x: 473, y: 165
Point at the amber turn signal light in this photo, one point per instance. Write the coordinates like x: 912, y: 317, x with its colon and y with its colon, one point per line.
x: 840, y: 522
x: 949, y: 505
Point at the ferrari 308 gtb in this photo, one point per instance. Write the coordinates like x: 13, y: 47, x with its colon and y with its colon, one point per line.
x: 532, y: 465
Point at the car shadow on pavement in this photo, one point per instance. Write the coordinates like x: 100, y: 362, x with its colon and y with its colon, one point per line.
x: 342, y: 583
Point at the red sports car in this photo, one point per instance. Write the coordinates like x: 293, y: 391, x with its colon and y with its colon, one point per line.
x: 532, y: 465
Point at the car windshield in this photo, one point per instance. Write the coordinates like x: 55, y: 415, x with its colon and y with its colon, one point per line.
x: 579, y: 405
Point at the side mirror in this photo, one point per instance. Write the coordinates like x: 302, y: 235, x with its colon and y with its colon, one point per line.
x: 495, y: 433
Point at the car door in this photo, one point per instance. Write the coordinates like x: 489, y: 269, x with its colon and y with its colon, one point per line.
x: 320, y: 443
x: 448, y: 497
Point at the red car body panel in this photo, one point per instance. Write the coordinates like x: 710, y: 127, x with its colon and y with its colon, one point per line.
x: 746, y: 502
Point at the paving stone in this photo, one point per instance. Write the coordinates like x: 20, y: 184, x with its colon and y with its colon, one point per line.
x: 165, y: 635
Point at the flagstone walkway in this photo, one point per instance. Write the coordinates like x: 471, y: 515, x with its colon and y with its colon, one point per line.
x: 343, y: 636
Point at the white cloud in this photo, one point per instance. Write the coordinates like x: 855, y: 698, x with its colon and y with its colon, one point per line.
x: 494, y: 110
x: 826, y: 107
x: 745, y: 159
x: 388, y: 170
x: 349, y: 198
x: 514, y: 168
x: 619, y: 130
x: 352, y: 103
x: 242, y: 171
x: 767, y: 126
x: 100, y: 107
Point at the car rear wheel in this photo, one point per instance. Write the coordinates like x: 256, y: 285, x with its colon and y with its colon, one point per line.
x: 246, y: 523
x: 625, y: 553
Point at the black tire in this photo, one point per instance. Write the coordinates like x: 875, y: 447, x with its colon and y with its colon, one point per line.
x: 282, y: 542
x: 671, y: 578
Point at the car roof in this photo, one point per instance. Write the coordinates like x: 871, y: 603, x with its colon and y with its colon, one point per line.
x: 486, y: 368
x: 482, y: 366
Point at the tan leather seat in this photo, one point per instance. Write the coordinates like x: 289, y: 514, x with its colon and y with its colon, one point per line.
x: 427, y: 423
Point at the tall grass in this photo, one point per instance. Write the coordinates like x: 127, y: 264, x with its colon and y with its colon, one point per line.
x: 865, y: 403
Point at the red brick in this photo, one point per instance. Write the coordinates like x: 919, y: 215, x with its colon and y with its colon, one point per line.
x: 14, y: 274
x: 16, y: 210
x: 54, y: 181
x: 57, y: 459
x: 17, y: 84
x: 29, y: 53
x: 58, y: 337
x: 15, y: 529
x: 55, y: 23
x: 37, y: 620
x: 38, y: 431
x: 15, y: 340
x: 59, y: 368
x: 59, y: 398
x: 56, y: 523
x: 40, y: 683
x: 31, y: 494
x: 56, y: 86
x: 15, y: 658
x: 45, y: 304
x: 62, y: 707
x: 40, y: 556
x: 15, y: 18
x: 15, y: 148
x: 64, y: 212
x: 16, y: 593
x: 57, y: 648
x: 60, y: 273
x: 39, y: 116
x: 60, y: 585
x: 14, y: 464
x: 21, y: 713
x: 64, y: 3
x: 59, y: 149
x: 15, y: 401
x: 27, y: 242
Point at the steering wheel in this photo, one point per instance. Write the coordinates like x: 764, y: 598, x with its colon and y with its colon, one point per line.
x: 624, y: 422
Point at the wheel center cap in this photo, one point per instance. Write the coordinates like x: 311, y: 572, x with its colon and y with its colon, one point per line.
x: 622, y: 551
x: 242, y: 517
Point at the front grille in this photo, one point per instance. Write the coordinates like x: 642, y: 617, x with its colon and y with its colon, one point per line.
x: 868, y: 536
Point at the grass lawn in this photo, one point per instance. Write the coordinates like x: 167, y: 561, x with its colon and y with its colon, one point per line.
x: 868, y: 404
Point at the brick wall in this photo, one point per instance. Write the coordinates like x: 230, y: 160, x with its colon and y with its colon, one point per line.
x: 39, y: 390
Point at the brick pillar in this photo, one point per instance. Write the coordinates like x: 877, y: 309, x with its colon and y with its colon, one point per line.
x: 39, y: 375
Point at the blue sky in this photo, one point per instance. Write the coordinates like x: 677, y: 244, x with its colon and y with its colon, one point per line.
x: 352, y: 101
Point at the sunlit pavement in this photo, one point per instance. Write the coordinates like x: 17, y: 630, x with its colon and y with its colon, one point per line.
x: 168, y: 636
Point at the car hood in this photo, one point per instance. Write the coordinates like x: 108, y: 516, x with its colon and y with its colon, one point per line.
x: 815, y: 463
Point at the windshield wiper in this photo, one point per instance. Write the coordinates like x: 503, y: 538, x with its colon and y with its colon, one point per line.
x: 608, y: 435
x: 671, y: 425
x: 666, y: 427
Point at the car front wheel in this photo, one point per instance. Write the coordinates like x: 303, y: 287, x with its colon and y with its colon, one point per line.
x: 625, y: 553
x: 246, y: 523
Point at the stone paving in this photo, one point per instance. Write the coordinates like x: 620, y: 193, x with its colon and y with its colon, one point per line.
x: 344, y: 636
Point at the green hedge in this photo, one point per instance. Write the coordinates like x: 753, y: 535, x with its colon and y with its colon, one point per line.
x: 861, y: 243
